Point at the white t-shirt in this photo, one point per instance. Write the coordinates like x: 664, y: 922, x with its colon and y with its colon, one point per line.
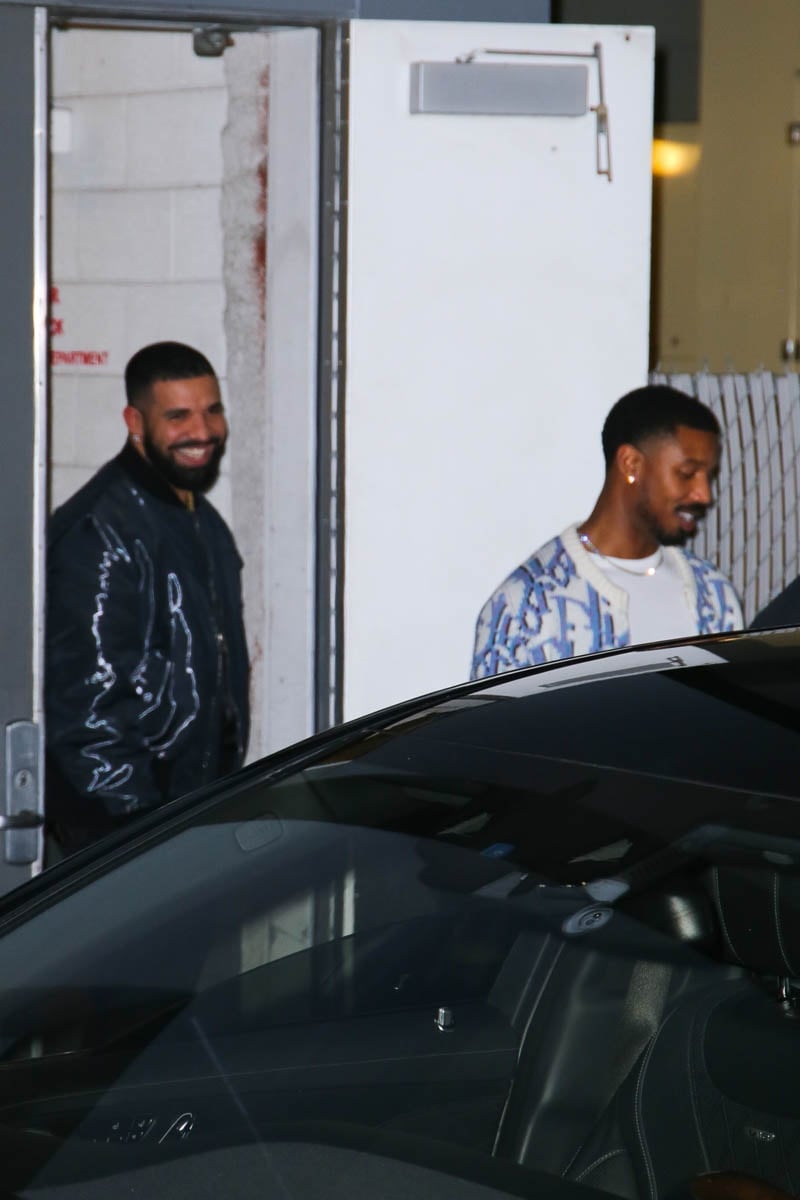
x: 657, y: 603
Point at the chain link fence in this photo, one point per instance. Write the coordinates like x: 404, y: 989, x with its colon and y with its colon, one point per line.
x: 753, y: 531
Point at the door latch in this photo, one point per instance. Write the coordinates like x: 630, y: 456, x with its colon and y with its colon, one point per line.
x: 23, y: 815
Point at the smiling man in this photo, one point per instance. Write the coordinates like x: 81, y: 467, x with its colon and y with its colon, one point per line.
x: 146, y: 688
x: 622, y: 575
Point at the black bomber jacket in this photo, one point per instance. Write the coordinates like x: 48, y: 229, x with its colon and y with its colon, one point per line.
x: 146, y: 661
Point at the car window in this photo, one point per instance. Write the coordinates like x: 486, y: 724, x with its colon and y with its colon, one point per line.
x: 478, y: 944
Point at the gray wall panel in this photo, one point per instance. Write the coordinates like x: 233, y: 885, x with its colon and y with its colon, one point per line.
x: 16, y: 371
x: 310, y: 10
x: 527, y: 11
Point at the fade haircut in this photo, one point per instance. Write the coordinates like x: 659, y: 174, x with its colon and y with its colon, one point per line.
x: 162, y: 362
x: 653, y: 411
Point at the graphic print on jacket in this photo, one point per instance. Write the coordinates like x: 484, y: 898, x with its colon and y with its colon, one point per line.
x: 163, y: 680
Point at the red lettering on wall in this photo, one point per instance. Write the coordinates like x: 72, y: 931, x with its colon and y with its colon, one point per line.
x: 71, y: 358
x: 78, y: 358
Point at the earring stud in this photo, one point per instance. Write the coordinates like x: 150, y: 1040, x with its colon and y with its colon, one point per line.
x: 631, y: 479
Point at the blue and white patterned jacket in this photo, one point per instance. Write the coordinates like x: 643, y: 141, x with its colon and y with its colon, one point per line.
x: 559, y: 604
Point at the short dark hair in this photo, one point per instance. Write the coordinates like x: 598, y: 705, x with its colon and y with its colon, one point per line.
x: 653, y: 411
x: 160, y: 362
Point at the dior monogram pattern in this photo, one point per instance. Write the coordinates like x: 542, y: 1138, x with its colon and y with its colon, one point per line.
x: 559, y: 604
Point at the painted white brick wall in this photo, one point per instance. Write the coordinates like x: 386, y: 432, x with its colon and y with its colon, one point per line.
x: 138, y: 255
x: 136, y: 229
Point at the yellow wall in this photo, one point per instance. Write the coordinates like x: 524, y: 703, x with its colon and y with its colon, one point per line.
x: 674, y: 278
x: 726, y: 257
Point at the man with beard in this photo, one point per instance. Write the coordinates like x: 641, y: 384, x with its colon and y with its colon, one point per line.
x: 622, y: 575
x: 146, y: 679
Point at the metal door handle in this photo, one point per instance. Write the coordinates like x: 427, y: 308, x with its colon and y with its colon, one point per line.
x: 26, y: 819
x: 22, y: 818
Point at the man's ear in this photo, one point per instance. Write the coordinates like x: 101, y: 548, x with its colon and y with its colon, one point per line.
x: 629, y: 462
x: 134, y: 421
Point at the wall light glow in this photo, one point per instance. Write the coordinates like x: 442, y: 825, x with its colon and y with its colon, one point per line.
x: 674, y: 158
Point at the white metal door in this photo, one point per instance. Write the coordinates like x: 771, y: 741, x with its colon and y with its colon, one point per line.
x: 497, y: 304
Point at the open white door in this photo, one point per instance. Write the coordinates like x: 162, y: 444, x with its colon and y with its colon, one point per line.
x: 497, y: 305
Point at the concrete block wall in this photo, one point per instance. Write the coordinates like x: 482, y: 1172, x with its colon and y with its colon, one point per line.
x: 136, y: 230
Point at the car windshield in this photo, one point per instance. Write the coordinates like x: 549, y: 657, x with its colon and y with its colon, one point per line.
x: 537, y: 935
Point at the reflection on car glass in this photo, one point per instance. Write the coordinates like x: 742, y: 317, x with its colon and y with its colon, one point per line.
x: 355, y: 748
x: 609, y: 853
x: 614, y: 665
x: 252, y: 835
x: 666, y: 664
x: 456, y: 704
x: 724, y: 841
x: 498, y: 889
x: 770, y: 692
x: 471, y: 825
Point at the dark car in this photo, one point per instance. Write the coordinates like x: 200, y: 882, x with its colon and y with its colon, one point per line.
x: 537, y: 936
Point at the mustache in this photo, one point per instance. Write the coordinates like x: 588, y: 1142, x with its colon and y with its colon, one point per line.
x: 195, y: 445
x: 697, y: 510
